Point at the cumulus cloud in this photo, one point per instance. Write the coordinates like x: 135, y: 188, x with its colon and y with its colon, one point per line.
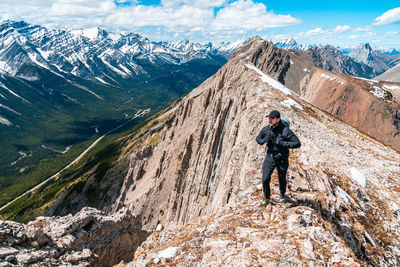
x: 362, y: 29
x: 171, y: 18
x: 315, y: 31
x: 251, y: 16
x: 194, y: 3
x: 389, y: 17
x: 392, y: 32
x: 341, y: 28
x: 357, y: 36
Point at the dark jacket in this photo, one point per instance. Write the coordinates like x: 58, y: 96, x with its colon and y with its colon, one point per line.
x: 278, y: 139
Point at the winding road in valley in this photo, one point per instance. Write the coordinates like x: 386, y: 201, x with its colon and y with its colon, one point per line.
x: 138, y: 114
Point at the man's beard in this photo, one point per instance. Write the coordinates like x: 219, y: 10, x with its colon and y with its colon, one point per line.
x: 274, y: 124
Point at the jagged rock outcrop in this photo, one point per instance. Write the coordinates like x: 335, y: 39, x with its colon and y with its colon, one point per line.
x: 90, y: 238
x: 203, y: 178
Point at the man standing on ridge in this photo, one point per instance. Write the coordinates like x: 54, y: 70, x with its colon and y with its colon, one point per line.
x: 279, y: 138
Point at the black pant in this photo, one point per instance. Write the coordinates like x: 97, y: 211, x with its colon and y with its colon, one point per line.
x: 268, y: 167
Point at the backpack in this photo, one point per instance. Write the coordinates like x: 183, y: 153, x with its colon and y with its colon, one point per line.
x: 285, y: 122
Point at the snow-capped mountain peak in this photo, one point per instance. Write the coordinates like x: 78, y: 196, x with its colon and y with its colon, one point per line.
x: 366, y: 54
x: 291, y: 43
x: 90, y: 33
x: 89, y: 53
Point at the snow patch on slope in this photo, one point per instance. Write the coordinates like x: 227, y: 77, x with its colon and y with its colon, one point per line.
x: 368, y: 80
x: 168, y: 253
x: 5, y: 121
x: 90, y: 33
x: 379, y: 92
x: 5, y: 68
x: 290, y: 102
x: 325, y: 76
x: 9, y: 109
x: 357, y: 176
x: 12, y: 92
x: 102, y: 81
x: 265, y: 78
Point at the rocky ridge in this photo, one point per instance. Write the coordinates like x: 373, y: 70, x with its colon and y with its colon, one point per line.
x: 342, y: 181
x: 89, y: 238
x: 368, y: 105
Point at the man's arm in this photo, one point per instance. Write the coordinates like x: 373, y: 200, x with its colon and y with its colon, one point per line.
x: 290, y: 140
x: 264, y: 135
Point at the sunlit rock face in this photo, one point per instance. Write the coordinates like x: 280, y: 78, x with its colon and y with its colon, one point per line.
x: 89, y: 238
x: 202, y: 180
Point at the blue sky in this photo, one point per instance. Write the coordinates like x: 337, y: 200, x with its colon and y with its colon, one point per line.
x: 340, y: 23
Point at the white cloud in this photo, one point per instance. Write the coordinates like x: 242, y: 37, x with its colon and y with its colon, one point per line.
x: 315, y: 31
x: 251, y: 16
x: 341, y: 28
x: 362, y: 29
x: 170, y: 17
x: 79, y: 9
x: 389, y: 17
x: 392, y: 32
x: 194, y: 3
x: 357, y: 36
x: 151, y: 16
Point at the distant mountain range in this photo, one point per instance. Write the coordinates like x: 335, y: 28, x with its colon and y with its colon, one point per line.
x: 330, y: 58
x: 291, y: 43
x: 61, y: 87
x: 363, y: 61
x: 91, y: 53
x: 375, y: 59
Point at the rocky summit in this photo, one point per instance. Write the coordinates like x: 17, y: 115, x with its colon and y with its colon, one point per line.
x: 192, y: 191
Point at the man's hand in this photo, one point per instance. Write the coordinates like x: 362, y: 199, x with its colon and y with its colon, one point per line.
x: 264, y: 135
x: 279, y: 141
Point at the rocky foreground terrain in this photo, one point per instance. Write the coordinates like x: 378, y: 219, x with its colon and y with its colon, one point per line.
x: 90, y: 238
x: 191, y: 194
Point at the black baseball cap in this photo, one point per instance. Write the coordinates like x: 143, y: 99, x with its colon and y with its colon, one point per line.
x: 274, y: 114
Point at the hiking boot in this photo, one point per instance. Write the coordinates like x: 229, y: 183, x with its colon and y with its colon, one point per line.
x: 282, y: 199
x: 265, y: 202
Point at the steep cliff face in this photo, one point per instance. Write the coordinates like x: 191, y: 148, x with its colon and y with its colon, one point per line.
x: 207, y: 165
